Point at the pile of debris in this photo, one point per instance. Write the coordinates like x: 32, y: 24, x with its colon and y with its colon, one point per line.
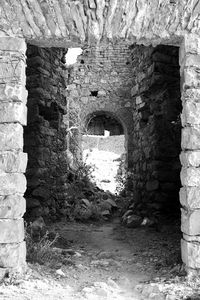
x: 136, y: 213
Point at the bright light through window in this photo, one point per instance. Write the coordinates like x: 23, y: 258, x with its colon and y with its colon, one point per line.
x: 71, y: 55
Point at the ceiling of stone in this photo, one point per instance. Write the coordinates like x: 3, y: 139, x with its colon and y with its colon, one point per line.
x: 72, y: 23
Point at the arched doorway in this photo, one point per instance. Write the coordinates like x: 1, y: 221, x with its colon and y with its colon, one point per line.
x: 104, y: 149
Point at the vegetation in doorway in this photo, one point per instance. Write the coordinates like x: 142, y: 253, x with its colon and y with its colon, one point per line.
x: 85, y: 201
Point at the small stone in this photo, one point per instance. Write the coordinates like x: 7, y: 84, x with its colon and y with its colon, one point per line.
x: 133, y: 221
x: 60, y: 273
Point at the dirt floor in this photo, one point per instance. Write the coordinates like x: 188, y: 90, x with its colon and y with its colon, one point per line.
x: 106, y: 261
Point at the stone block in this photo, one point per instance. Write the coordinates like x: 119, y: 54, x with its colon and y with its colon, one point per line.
x: 13, y: 161
x: 11, y: 231
x: 12, y: 206
x: 190, y: 221
x: 192, y: 60
x: 12, y: 184
x: 12, y: 255
x: 190, y: 176
x: 12, y: 44
x: 191, y: 78
x: 12, y: 91
x: 191, y: 95
x: 12, y: 70
x: 190, y: 45
x: 191, y: 113
x: 190, y: 158
x: 191, y: 138
x: 11, y: 136
x: 190, y: 253
x: 190, y: 197
x: 12, y: 112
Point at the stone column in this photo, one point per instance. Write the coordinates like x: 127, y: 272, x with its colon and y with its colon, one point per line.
x: 190, y: 156
x: 13, y: 115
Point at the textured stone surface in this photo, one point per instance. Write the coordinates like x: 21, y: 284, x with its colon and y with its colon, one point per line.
x: 191, y: 138
x: 13, y: 112
x: 66, y: 22
x: 12, y: 255
x: 190, y: 176
x: 190, y: 254
x: 12, y: 183
x: 11, y: 231
x: 189, y: 197
x: 13, y: 161
x: 190, y: 158
x: 13, y: 91
x: 11, y: 137
x: 190, y: 114
x: 12, y: 206
x: 190, y: 224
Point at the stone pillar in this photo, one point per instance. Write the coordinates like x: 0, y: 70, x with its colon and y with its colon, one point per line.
x: 190, y: 156
x: 13, y: 115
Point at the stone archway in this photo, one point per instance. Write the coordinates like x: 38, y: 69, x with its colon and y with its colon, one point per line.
x: 104, y: 145
x: 79, y: 23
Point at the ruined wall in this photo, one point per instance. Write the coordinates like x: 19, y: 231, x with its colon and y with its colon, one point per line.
x: 140, y: 86
x: 101, y: 81
x: 45, y: 134
x: 156, y: 117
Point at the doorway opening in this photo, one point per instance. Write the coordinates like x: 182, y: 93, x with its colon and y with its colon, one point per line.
x: 103, y: 148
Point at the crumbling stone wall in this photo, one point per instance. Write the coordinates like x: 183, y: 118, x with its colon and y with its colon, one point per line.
x: 45, y: 134
x: 156, y: 117
x: 102, y: 81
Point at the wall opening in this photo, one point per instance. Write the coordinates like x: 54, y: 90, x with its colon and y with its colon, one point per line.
x: 103, y: 147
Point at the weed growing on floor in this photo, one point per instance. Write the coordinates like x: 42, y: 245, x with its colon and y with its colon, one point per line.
x: 39, y: 250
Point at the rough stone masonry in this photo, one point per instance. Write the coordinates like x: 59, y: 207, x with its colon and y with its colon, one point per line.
x: 68, y: 23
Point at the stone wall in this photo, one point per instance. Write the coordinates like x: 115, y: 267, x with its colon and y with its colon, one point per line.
x: 45, y: 134
x: 12, y: 159
x: 156, y: 116
x: 140, y: 86
x: 190, y: 174
x: 70, y: 23
x: 102, y: 81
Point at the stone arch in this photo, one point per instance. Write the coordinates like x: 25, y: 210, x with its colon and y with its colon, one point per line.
x: 123, y: 116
